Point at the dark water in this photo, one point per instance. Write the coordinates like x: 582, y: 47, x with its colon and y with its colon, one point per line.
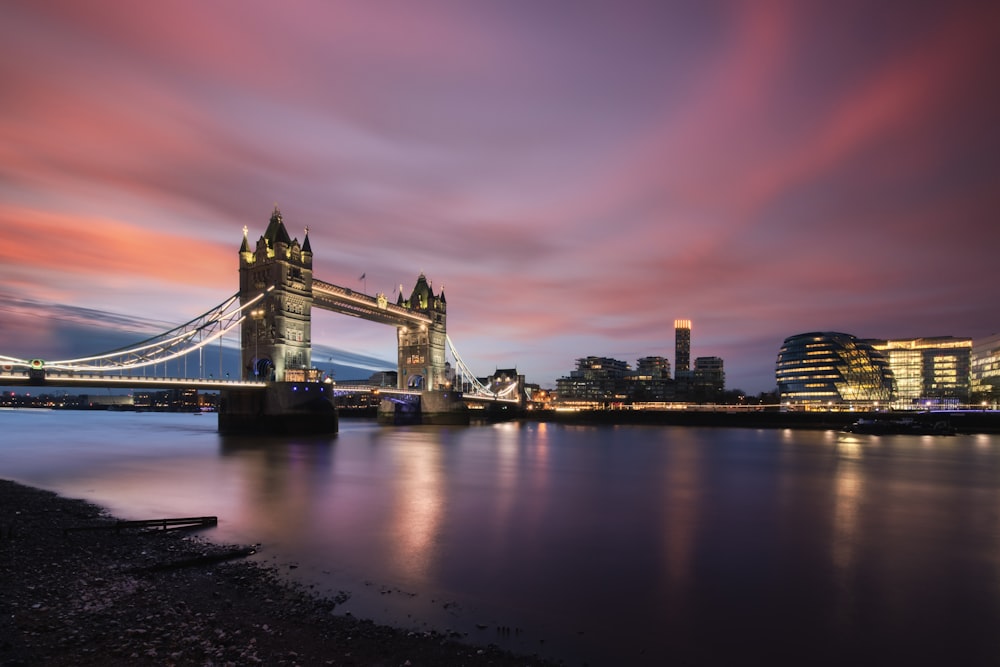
x: 602, y: 545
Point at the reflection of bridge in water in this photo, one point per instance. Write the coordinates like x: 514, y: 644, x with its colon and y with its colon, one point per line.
x: 279, y: 388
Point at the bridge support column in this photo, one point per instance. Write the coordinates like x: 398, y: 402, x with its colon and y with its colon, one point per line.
x: 280, y: 408
x: 430, y: 407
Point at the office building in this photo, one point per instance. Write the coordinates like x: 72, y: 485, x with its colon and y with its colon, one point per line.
x: 984, y: 376
x: 928, y: 370
x: 708, y: 379
x: 830, y: 368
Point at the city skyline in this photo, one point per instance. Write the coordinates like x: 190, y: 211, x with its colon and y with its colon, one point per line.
x: 576, y: 176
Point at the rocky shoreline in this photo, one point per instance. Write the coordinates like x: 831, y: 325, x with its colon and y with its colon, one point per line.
x: 136, y: 596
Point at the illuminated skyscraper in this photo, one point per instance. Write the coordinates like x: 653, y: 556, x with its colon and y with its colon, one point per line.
x: 682, y: 346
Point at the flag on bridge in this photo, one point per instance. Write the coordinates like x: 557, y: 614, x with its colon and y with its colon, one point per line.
x: 362, y: 277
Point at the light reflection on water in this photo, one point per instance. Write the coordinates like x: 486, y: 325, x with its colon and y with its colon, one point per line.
x: 612, y: 544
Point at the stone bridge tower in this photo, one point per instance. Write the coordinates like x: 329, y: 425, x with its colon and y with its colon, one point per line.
x: 277, y: 332
x: 422, y: 347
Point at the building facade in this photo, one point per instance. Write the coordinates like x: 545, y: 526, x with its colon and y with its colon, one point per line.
x: 595, y: 380
x: 650, y: 381
x: 653, y: 367
x: 708, y: 379
x: 984, y: 375
x: 826, y: 368
x: 928, y: 370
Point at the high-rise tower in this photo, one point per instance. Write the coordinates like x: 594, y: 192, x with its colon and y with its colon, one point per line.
x: 682, y: 346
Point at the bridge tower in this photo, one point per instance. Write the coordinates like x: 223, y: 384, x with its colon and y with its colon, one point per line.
x: 422, y: 365
x: 276, y: 341
x: 422, y: 348
x: 277, y: 334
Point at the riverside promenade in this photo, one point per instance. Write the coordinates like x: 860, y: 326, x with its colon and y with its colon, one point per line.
x: 970, y: 421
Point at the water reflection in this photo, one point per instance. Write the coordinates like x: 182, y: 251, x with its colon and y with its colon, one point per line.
x: 509, y: 466
x: 848, y: 499
x: 418, y: 498
x: 682, y: 486
x: 698, y: 545
x: 278, y: 483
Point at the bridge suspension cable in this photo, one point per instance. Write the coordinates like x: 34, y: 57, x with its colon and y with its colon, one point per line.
x: 467, y: 378
x: 167, y: 346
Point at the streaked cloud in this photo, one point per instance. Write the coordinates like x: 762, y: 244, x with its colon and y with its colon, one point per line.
x: 577, y: 175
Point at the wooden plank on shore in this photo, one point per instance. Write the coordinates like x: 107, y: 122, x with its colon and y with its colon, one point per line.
x: 155, y: 524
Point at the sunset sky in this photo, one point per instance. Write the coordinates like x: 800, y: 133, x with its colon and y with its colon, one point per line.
x: 576, y: 175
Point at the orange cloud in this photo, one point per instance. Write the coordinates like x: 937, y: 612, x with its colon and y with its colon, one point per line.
x: 104, y: 249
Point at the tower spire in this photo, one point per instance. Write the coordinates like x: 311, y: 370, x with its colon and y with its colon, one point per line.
x: 245, y: 246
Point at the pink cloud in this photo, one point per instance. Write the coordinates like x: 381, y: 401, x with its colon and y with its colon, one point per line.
x: 576, y: 180
x: 102, y: 249
x: 909, y: 96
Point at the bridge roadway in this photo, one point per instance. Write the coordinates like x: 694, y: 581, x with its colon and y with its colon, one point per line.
x: 392, y: 391
x: 57, y: 379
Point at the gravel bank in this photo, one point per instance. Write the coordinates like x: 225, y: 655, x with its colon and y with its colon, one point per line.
x: 139, y: 597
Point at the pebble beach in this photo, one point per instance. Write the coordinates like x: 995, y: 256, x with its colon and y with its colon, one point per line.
x: 77, y: 590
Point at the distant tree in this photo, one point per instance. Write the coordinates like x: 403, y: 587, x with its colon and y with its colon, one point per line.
x: 734, y: 397
x: 768, y: 397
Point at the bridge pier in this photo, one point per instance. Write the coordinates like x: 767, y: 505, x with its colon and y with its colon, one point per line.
x: 281, y: 408
x: 430, y: 407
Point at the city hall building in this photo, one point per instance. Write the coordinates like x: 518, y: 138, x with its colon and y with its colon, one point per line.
x: 827, y: 368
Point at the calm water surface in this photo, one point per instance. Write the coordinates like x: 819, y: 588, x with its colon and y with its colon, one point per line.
x: 603, y: 545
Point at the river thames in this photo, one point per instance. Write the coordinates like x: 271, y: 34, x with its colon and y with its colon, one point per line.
x: 593, y: 545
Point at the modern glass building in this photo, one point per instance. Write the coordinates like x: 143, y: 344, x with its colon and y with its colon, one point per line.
x: 824, y: 368
x: 928, y: 369
x: 985, y: 370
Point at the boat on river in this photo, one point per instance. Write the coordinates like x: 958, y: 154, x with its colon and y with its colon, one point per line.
x: 900, y: 426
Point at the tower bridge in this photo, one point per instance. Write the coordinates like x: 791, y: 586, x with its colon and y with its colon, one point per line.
x: 279, y: 388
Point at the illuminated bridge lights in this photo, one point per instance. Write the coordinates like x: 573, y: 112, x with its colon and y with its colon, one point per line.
x: 210, y: 328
